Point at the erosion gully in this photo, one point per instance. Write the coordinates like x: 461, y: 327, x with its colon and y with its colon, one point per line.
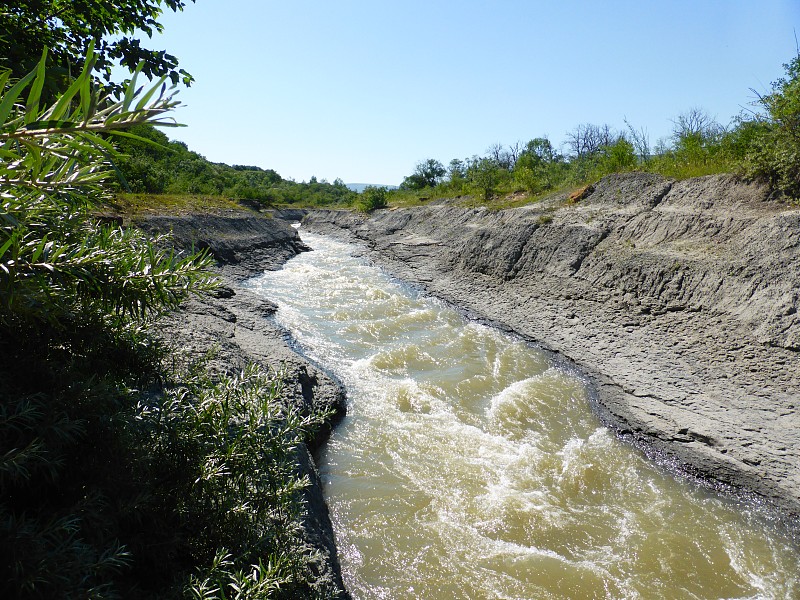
x: 472, y: 466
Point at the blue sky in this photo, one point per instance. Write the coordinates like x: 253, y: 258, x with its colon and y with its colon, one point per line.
x: 365, y: 90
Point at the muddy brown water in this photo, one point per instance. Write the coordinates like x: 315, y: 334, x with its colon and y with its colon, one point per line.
x: 471, y: 466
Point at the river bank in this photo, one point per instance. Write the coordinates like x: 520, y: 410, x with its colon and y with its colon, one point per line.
x: 234, y: 325
x: 677, y: 299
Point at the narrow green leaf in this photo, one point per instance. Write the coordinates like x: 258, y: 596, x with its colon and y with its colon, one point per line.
x: 81, y: 141
x: 130, y: 91
x: 114, y: 117
x: 4, y: 76
x: 11, y: 97
x: 39, y: 249
x: 32, y: 106
x: 50, y: 124
x: 86, y: 85
x: 63, y: 103
x: 149, y: 94
x: 121, y: 177
x: 4, y: 248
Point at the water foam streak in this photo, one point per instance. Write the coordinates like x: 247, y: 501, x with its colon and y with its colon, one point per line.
x: 471, y: 467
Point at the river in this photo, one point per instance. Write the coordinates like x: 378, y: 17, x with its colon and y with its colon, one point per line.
x: 471, y: 466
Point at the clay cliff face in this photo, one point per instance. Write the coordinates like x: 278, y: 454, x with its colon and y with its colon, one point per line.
x: 677, y: 299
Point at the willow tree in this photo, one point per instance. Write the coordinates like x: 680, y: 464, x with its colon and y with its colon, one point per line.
x: 76, y: 297
x: 118, y: 477
x: 55, y: 262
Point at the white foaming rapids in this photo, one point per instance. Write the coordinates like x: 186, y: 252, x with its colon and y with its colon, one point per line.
x: 470, y: 467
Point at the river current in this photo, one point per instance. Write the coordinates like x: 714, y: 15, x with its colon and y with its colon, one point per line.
x: 470, y: 466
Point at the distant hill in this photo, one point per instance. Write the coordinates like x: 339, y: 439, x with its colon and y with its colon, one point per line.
x: 169, y: 167
x: 359, y: 187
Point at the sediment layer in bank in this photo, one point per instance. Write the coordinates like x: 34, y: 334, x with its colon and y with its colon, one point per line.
x: 678, y: 299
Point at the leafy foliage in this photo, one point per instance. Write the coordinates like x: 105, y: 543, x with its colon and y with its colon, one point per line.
x: 372, y: 198
x: 54, y: 264
x: 426, y: 174
x: 485, y: 176
x: 161, y: 166
x: 223, y: 456
x: 116, y: 476
x: 69, y: 28
x: 539, y: 167
x: 774, y: 149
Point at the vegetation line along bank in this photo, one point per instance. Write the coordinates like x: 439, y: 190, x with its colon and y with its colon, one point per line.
x: 762, y: 144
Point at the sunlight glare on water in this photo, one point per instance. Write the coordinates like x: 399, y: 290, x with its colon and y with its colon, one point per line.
x: 469, y: 466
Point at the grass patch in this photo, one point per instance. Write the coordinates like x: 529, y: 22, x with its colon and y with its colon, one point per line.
x: 677, y: 169
x: 172, y: 204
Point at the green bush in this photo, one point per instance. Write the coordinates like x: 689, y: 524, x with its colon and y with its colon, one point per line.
x: 619, y: 156
x: 228, y: 450
x: 427, y: 174
x: 118, y: 478
x: 774, y: 153
x: 485, y: 176
x: 372, y: 198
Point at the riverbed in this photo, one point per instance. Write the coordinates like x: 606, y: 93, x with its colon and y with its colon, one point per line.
x: 471, y: 465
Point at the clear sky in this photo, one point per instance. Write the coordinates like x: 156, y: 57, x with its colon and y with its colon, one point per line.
x: 363, y: 90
